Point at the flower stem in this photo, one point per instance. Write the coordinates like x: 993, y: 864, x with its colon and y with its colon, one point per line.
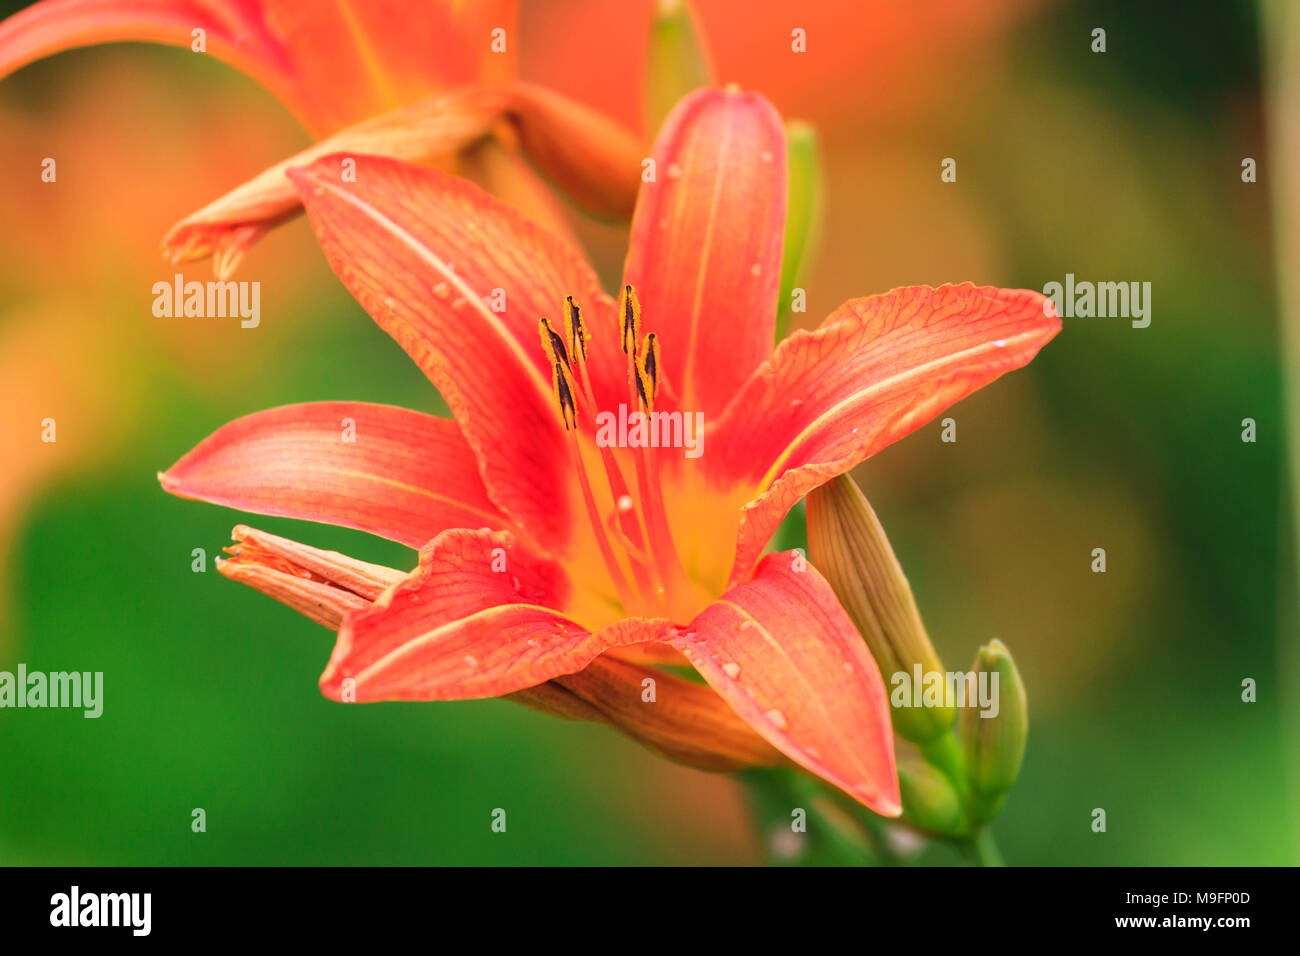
x: 983, y: 849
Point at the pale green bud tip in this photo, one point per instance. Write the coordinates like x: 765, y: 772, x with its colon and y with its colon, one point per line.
x: 676, y: 61
x: 847, y: 544
x: 994, y: 746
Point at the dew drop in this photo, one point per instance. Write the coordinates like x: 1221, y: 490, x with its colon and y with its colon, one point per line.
x: 777, y: 718
x: 390, y: 302
x: 624, y: 502
x: 533, y: 642
x: 674, y: 171
x: 731, y: 669
x: 745, y: 625
x: 755, y: 269
x: 441, y: 290
x: 471, y: 662
x: 765, y: 156
x: 1001, y: 343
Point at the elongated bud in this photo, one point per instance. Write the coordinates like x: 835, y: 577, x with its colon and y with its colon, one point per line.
x: 803, y: 214
x: 929, y: 800
x: 993, y: 729
x: 848, y: 546
x: 676, y: 62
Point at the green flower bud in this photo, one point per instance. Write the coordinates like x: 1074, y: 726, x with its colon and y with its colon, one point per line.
x: 676, y: 62
x: 929, y: 800
x: 803, y: 214
x: 848, y: 546
x: 994, y: 745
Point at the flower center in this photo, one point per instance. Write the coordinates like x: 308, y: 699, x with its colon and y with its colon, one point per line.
x: 635, y: 540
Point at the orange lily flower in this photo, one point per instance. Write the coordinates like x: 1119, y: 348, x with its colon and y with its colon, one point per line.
x: 596, y: 554
x: 418, y: 80
x: 331, y: 63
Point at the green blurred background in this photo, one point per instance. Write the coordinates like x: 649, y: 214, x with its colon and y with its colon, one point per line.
x: 1117, y: 166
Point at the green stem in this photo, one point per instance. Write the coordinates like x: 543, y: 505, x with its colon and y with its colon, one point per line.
x: 983, y: 849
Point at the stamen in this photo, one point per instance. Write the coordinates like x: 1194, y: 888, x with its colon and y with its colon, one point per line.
x: 553, y: 344
x: 650, y: 366
x: 564, y: 398
x: 577, y: 333
x: 631, y: 309
x: 642, y: 533
x: 569, y: 415
x: 631, y: 523
x: 672, y: 576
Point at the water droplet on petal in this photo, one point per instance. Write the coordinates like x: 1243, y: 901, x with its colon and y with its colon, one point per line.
x: 471, y: 662
x: 1001, y: 343
x: 731, y: 669
x: 777, y: 718
x: 674, y: 171
x: 624, y: 502
x: 745, y: 625
x: 765, y: 156
x: 442, y: 290
x: 755, y: 269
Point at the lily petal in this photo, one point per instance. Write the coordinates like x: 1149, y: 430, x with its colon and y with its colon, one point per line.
x: 782, y: 652
x: 685, y: 721
x: 331, y: 63
x: 705, y: 250
x: 432, y: 258
x: 52, y: 26
x: 477, y: 618
x: 393, y: 472
x: 356, y: 59
x: 593, y: 158
x: 876, y: 370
